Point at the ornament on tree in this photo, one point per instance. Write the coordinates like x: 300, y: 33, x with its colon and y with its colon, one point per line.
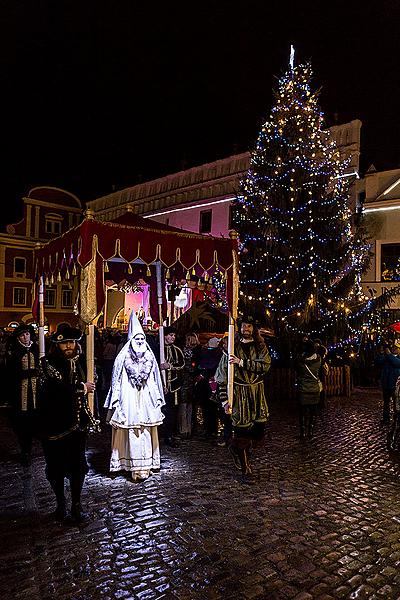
x: 300, y: 256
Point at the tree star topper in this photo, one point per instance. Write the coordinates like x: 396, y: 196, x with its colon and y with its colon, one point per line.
x: 291, y: 61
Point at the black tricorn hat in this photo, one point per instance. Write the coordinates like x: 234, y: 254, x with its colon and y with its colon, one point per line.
x: 248, y: 319
x: 170, y: 329
x: 22, y: 328
x: 66, y: 333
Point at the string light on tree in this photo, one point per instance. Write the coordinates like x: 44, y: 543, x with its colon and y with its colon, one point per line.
x: 300, y: 253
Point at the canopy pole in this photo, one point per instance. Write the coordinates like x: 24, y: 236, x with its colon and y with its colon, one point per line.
x: 42, y: 349
x: 160, y: 318
x: 90, y: 363
x: 105, y: 304
x: 233, y: 317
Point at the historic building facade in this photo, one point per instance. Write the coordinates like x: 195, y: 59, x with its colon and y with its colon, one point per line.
x: 379, y: 194
x: 199, y: 199
x: 47, y: 213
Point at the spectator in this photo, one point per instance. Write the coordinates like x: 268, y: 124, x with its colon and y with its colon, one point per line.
x: 388, y: 359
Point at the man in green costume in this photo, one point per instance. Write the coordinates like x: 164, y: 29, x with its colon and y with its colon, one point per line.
x: 249, y: 409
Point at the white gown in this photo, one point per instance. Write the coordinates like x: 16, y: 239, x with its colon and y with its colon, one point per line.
x: 136, y: 415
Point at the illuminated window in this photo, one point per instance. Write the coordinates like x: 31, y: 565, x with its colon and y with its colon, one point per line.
x: 205, y: 221
x: 19, y: 296
x: 390, y: 262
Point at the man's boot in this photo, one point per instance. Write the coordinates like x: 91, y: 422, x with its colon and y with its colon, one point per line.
x: 234, y: 452
x: 247, y: 472
x: 77, y: 514
x: 311, y: 424
x: 58, y: 488
x: 393, y: 436
x: 302, y: 427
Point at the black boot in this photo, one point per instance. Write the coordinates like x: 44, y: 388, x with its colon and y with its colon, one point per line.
x: 77, y: 514
x: 58, y: 488
x: 247, y: 472
x: 234, y: 452
x: 302, y: 427
x: 393, y: 436
x: 311, y: 424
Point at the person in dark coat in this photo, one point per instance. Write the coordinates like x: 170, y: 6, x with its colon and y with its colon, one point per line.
x: 173, y: 368
x: 308, y: 388
x: 205, y: 387
x: 21, y: 368
x: 388, y: 359
x: 64, y: 418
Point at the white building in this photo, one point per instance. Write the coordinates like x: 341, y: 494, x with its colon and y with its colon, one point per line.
x: 379, y: 193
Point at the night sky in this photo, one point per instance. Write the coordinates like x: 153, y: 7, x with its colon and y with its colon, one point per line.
x: 99, y: 94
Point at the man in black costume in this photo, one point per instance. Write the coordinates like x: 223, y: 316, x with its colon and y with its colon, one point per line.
x: 173, y: 367
x: 64, y: 417
x: 21, y: 370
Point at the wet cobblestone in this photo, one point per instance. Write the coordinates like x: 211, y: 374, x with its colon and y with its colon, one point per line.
x: 323, y: 520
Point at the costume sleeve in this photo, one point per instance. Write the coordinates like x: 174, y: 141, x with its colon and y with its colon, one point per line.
x: 221, y: 374
x: 261, y: 364
x: 178, y: 361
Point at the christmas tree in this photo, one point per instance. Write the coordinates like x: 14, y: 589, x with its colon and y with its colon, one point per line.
x: 300, y: 256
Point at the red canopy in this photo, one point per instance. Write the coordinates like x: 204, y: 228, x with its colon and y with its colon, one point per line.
x: 131, y: 239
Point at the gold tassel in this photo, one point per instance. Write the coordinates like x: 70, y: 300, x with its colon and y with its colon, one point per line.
x: 210, y: 281
x: 74, y: 270
x: 129, y: 268
x: 187, y: 276
x: 59, y: 276
x: 52, y: 279
x: 193, y: 271
x: 148, y: 272
x: 106, y: 269
x: 167, y: 274
x: 67, y: 276
x: 46, y: 280
x: 205, y: 276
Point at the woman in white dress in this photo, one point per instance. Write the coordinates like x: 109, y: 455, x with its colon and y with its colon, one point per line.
x: 134, y: 401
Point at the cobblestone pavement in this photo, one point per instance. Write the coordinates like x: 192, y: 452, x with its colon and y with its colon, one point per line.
x: 323, y: 520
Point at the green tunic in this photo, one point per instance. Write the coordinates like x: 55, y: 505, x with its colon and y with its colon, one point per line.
x: 249, y: 403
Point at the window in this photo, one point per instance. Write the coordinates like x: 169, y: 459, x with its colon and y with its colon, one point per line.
x: 53, y: 223
x: 390, y: 262
x: 205, y: 221
x: 19, y: 266
x: 66, y: 301
x: 19, y: 296
x: 50, y: 297
x: 53, y: 226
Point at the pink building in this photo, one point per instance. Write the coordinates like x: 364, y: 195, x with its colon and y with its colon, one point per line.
x: 199, y: 199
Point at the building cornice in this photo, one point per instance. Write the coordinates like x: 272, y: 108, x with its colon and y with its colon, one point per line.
x: 59, y: 207
x: 178, y: 187
x: 19, y: 240
x: 372, y: 206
